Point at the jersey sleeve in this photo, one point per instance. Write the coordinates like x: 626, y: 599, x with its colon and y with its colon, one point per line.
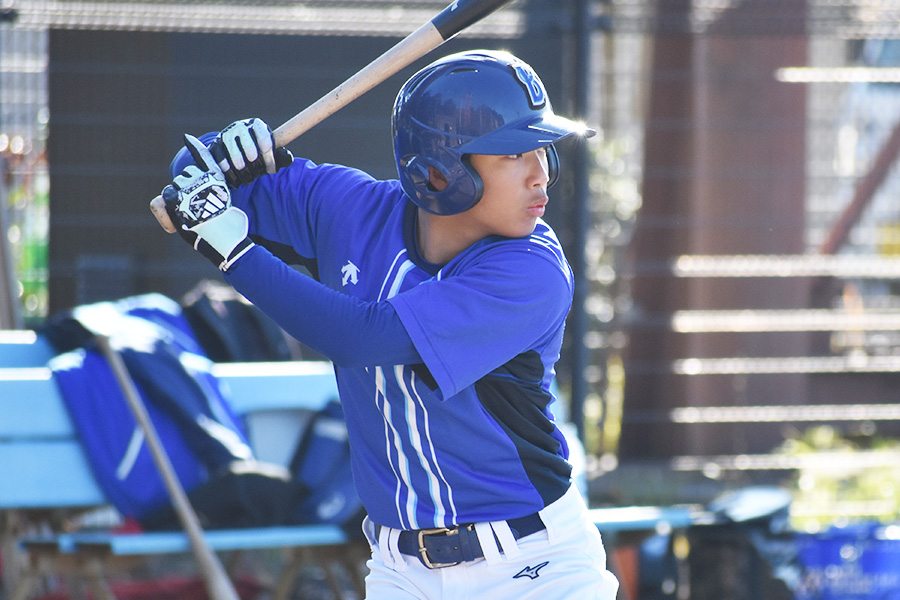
x: 512, y: 299
x: 288, y: 209
x: 348, y: 331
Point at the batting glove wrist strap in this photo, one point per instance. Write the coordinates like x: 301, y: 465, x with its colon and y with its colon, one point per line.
x: 226, y: 235
x: 199, y: 203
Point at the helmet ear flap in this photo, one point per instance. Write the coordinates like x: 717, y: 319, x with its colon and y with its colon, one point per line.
x: 421, y: 170
x: 463, y: 190
x: 552, y: 165
x: 466, y: 160
x: 416, y: 168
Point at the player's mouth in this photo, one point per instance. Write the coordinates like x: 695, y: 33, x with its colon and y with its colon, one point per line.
x: 537, y: 209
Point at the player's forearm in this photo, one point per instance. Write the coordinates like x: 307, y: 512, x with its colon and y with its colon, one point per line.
x: 349, y: 332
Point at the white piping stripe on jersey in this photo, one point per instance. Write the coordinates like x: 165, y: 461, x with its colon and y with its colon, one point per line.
x: 388, y: 278
x: 395, y: 277
x: 413, y: 433
x: 389, y: 430
x: 433, y: 483
x: 552, y: 243
x: 398, y: 279
x: 416, y: 439
x: 546, y: 242
x: 401, y: 472
x: 411, y: 498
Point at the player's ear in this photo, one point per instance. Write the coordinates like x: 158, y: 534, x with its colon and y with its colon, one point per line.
x: 436, y: 179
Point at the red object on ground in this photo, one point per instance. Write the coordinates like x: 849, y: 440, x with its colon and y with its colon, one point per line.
x: 182, y: 588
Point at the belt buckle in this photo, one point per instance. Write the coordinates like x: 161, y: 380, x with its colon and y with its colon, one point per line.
x: 423, y: 551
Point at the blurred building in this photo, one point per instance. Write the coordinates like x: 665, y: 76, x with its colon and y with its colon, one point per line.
x: 742, y: 217
x: 761, y: 272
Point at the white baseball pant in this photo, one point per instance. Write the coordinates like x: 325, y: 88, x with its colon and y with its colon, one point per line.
x: 566, y: 561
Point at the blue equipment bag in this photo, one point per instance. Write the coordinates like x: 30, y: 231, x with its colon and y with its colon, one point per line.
x: 856, y: 562
x: 196, y: 426
x: 321, y: 463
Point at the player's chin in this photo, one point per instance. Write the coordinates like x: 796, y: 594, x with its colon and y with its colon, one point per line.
x: 522, y: 229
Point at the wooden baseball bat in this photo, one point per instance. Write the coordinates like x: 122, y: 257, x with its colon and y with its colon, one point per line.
x: 218, y: 585
x: 445, y: 25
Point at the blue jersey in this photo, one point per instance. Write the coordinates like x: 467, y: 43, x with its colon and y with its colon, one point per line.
x: 465, y: 435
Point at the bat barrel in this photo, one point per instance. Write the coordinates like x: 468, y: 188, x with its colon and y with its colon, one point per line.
x: 446, y: 24
x: 410, y: 48
x: 462, y: 14
x: 442, y: 27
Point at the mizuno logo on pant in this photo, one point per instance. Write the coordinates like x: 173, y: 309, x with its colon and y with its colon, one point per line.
x: 531, y: 572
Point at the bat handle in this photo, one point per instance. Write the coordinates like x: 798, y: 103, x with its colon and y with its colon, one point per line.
x: 158, y: 208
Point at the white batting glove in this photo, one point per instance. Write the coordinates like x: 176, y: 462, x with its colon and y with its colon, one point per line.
x: 245, y: 150
x: 199, y: 203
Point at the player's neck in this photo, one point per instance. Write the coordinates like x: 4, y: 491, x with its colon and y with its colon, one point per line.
x: 440, y: 238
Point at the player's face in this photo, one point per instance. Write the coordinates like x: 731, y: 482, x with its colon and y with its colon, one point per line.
x: 515, y: 193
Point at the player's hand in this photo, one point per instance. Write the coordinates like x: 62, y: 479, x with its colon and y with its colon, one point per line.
x: 199, y: 203
x: 246, y: 150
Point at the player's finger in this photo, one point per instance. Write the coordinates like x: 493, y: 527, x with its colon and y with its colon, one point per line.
x: 200, y: 153
x: 264, y: 142
x: 238, y: 144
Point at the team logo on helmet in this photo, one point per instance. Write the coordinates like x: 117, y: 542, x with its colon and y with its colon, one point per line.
x: 534, y: 89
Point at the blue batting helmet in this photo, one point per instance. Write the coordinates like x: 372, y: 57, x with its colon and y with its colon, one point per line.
x: 476, y: 102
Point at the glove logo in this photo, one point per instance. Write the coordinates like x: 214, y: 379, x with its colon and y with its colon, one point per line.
x: 350, y: 274
x: 208, y: 203
x: 203, y: 196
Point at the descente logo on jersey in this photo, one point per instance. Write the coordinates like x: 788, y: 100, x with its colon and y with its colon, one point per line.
x: 349, y: 274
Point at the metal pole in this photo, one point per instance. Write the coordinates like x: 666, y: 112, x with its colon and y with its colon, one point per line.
x: 10, y: 313
x: 581, y: 215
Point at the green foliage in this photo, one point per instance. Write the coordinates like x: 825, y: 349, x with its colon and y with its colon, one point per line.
x: 843, y: 479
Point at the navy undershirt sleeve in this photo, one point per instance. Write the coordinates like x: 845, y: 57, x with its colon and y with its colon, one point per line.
x: 348, y: 331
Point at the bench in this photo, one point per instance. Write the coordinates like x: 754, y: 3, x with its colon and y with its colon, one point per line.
x: 43, y: 470
x: 44, y: 467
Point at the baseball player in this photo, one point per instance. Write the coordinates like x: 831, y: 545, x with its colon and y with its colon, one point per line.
x: 441, y: 298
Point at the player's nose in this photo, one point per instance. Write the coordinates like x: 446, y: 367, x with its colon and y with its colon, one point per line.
x: 539, y: 170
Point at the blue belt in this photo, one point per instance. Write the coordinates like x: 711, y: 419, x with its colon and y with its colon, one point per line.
x: 446, y: 547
